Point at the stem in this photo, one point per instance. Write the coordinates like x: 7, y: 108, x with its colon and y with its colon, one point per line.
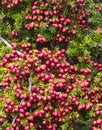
x: 18, y: 52
x: 99, y: 44
x: 8, y: 44
x: 30, y: 84
x: 14, y: 119
x: 29, y: 91
x: 51, y: 45
x: 5, y: 42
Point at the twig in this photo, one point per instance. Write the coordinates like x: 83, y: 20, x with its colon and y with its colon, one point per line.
x: 52, y: 47
x: 29, y: 91
x: 14, y: 119
x: 30, y: 84
x: 8, y: 44
x: 100, y: 44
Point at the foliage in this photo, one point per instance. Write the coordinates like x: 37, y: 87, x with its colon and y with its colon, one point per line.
x: 84, y: 46
x: 55, y: 82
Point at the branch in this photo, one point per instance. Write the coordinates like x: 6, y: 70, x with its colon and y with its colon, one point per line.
x: 99, y: 44
x: 30, y: 84
x: 52, y: 47
x: 29, y: 91
x: 8, y: 44
x: 14, y: 119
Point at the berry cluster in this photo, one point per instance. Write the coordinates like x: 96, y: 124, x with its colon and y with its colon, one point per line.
x: 65, y: 25
x: 43, y: 89
x: 53, y: 65
x: 54, y: 89
x: 11, y: 3
x: 98, y: 66
x: 14, y: 34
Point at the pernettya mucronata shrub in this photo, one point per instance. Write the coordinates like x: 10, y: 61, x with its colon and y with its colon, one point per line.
x: 51, y: 69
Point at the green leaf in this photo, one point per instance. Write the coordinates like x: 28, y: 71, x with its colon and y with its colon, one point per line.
x: 86, y: 128
x: 48, y: 32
